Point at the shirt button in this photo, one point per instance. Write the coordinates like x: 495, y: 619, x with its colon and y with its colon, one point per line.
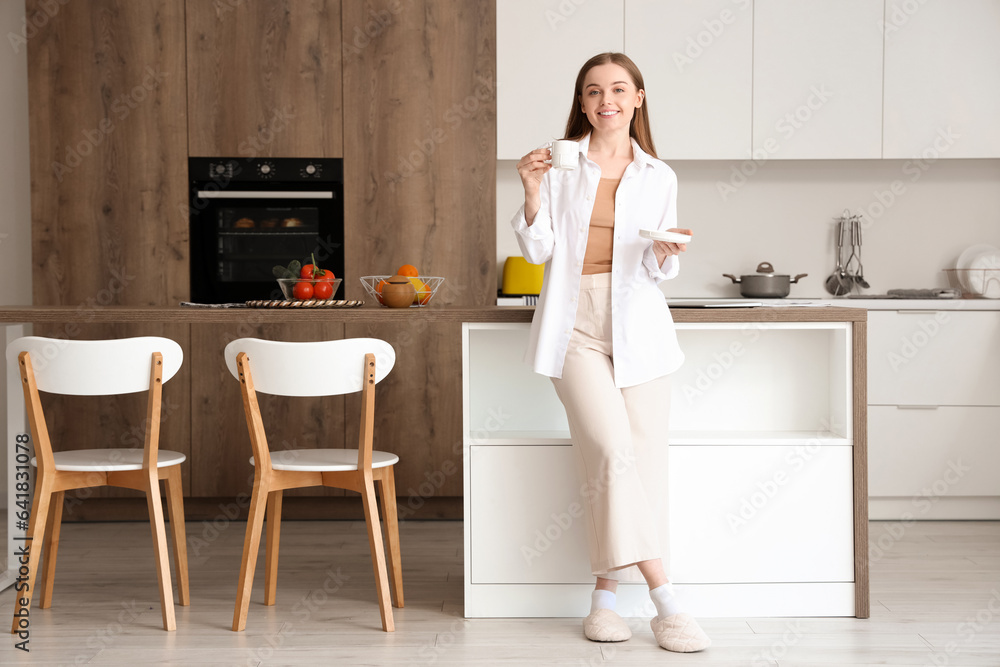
x: 589, y: 198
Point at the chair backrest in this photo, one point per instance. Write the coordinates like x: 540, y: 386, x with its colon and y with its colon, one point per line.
x: 95, y: 367
x: 325, y: 368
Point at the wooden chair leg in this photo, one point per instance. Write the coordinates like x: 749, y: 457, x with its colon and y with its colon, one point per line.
x: 159, y: 531
x: 51, y: 548
x: 33, y: 545
x: 378, y: 554
x: 387, y: 490
x: 271, y: 550
x: 251, y: 542
x: 178, y: 532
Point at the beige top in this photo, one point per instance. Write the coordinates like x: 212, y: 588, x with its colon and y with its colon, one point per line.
x: 600, y: 240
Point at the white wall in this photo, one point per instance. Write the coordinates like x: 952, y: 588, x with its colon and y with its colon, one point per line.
x: 15, y: 186
x: 784, y: 214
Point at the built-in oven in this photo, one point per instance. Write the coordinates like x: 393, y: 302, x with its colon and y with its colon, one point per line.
x: 248, y: 215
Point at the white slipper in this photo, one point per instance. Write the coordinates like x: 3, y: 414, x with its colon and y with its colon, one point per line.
x: 680, y: 633
x: 604, y: 625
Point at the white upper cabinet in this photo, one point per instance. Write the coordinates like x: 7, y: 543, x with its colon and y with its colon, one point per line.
x: 541, y: 45
x: 817, y: 77
x: 696, y: 58
x: 942, y: 79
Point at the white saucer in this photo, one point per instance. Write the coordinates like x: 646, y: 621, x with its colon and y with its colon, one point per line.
x: 670, y: 237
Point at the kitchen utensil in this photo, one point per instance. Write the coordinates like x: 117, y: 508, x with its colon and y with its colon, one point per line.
x: 522, y: 277
x: 765, y: 284
x: 670, y: 237
x: 861, y: 269
x: 835, y: 283
x: 852, y: 273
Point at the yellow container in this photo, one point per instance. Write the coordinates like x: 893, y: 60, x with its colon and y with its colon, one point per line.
x: 520, y: 277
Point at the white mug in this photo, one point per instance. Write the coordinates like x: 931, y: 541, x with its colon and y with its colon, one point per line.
x: 565, y: 154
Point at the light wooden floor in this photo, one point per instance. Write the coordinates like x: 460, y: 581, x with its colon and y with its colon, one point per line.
x: 931, y: 581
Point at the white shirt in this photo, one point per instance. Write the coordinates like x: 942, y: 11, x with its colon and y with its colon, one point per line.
x: 644, y: 342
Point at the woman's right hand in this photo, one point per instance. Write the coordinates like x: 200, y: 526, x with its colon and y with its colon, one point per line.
x: 532, y: 167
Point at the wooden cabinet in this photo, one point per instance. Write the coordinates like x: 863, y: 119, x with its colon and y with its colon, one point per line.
x: 264, y: 78
x: 541, y: 45
x: 942, y: 90
x: 696, y: 59
x: 760, y: 476
x: 817, y: 79
x: 106, y: 87
x: 220, y: 443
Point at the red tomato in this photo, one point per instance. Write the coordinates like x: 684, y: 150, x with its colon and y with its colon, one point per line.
x: 325, y: 274
x: 302, y: 290
x: 307, y: 271
x: 323, y: 289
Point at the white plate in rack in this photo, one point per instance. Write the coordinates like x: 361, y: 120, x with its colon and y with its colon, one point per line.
x: 965, y: 262
x: 983, y: 275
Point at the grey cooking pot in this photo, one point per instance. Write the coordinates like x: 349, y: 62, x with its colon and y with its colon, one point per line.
x: 765, y: 284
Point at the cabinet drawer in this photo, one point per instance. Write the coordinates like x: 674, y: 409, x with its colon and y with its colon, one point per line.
x: 736, y: 514
x: 934, y: 358
x: 947, y: 451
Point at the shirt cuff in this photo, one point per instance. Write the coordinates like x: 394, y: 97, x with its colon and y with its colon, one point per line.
x: 540, y: 229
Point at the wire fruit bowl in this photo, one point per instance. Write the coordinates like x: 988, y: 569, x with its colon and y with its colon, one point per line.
x: 427, y: 287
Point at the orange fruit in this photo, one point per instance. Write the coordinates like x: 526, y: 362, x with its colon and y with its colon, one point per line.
x: 378, y: 290
x: 408, y: 270
x: 423, y: 292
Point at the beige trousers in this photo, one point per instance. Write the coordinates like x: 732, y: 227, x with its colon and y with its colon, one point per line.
x: 620, y: 437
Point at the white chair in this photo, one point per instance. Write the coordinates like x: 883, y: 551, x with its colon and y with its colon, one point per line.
x: 327, y: 368
x: 100, y: 368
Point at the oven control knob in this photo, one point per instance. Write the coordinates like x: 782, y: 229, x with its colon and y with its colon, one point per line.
x: 265, y: 169
x: 311, y: 169
x: 220, y: 168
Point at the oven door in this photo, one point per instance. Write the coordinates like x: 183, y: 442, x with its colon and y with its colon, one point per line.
x: 238, y: 236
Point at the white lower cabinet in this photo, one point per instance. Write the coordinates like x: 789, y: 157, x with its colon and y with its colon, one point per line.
x: 934, y: 414
x: 737, y: 515
x: 757, y: 503
x: 932, y: 453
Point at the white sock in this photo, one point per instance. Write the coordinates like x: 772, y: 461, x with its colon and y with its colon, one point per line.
x: 601, y: 599
x: 665, y: 599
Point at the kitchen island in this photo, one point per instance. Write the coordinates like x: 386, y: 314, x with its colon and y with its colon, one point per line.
x: 818, y: 354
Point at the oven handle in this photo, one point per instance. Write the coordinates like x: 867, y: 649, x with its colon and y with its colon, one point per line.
x: 263, y: 194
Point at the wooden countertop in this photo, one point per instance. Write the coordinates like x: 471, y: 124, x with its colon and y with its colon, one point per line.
x: 431, y: 314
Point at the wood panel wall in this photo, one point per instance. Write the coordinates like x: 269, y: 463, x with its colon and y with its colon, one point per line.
x: 106, y: 83
x: 106, y: 86
x: 420, y: 175
x: 264, y: 78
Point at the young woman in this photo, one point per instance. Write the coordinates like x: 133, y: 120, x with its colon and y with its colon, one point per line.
x: 604, y: 335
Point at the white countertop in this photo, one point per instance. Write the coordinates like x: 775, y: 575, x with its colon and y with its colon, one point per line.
x: 874, y: 304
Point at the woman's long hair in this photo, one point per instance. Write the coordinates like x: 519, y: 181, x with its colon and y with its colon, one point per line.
x: 578, y: 126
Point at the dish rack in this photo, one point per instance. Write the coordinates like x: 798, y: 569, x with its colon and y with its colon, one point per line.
x: 976, y: 283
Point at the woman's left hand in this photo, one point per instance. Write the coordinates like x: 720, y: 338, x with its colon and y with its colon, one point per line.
x: 664, y: 249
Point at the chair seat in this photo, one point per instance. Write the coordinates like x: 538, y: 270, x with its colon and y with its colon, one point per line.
x: 325, y: 459
x: 109, y: 460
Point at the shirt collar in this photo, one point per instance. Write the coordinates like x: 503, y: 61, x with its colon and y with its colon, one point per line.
x: 639, y: 156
